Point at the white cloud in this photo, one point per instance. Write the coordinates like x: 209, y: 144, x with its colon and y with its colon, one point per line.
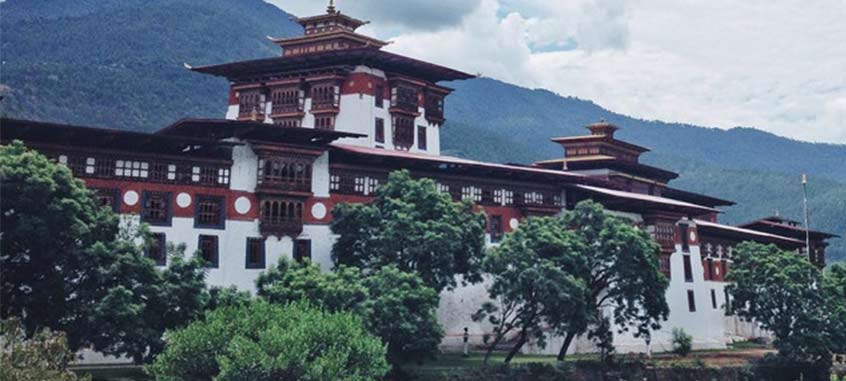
x: 778, y: 66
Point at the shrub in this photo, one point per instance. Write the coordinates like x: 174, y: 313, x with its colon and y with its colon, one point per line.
x: 396, y: 306
x: 45, y: 356
x: 261, y: 341
x: 681, y: 342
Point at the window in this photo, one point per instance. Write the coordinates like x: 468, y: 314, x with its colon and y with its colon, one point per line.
x: 688, y: 271
x: 159, y: 172
x: 287, y: 122
x: 209, y: 212
x: 421, y: 138
x: 255, y: 253
x: 709, y: 272
x: 223, y: 176
x: 403, y: 132
x: 443, y: 188
x: 684, y: 242
x: 326, y: 122
x: 334, y: 182
x: 108, y: 198
x: 404, y: 97
x: 471, y: 193
x: 129, y: 168
x: 379, y: 133
x: 665, y: 265
x: 157, y: 249
x: 286, y: 100
x: 249, y: 103
x: 208, y: 248
x: 379, y: 96
x: 302, y: 250
x: 533, y: 198
x: 691, y: 301
x: 324, y: 96
x: 495, y: 227
x: 156, y: 208
x: 713, y: 299
x: 727, y: 299
x: 503, y: 197
x: 208, y: 175
x: 104, y: 167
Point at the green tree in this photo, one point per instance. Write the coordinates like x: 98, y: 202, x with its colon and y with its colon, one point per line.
x: 622, y: 274
x: 401, y: 310
x: 340, y: 290
x: 68, y: 267
x: 834, y: 289
x: 534, y: 284
x: 263, y: 341
x: 226, y: 297
x: 414, y: 226
x: 396, y: 306
x: 780, y: 290
x: 44, y: 356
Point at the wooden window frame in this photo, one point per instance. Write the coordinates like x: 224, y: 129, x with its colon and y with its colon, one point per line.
x: 713, y: 299
x: 688, y: 268
x: 167, y: 209
x: 158, y: 241
x: 422, y: 143
x: 210, y: 243
x: 403, y: 132
x: 255, y: 248
x: 496, y: 228
x: 302, y: 250
x: 379, y: 130
x: 202, y: 216
x: 379, y: 96
x: 108, y: 197
x: 691, y: 301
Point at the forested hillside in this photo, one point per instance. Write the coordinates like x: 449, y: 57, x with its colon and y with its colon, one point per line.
x: 119, y: 63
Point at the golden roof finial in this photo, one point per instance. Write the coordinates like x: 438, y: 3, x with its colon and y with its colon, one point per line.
x: 331, y: 8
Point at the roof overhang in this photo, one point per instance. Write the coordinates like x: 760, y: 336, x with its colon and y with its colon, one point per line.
x: 248, y: 130
x: 267, y: 67
x: 637, y: 202
x: 35, y: 132
x: 739, y: 233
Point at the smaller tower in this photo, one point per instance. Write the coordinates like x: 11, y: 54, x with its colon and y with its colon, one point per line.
x: 327, y: 32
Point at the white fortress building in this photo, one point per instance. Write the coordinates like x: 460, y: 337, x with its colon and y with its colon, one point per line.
x: 327, y: 121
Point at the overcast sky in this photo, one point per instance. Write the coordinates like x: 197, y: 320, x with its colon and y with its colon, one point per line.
x: 777, y: 65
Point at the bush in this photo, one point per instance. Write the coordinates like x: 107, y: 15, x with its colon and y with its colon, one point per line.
x: 396, y: 306
x: 261, y: 341
x: 681, y: 342
x: 45, y: 356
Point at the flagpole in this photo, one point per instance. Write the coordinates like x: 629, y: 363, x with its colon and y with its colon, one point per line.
x: 805, y: 203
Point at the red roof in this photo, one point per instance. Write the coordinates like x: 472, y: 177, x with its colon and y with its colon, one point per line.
x: 747, y: 232
x: 438, y: 159
x: 351, y: 57
x: 649, y: 199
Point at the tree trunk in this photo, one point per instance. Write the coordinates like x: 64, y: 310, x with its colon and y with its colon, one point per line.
x: 517, y: 347
x: 567, y: 341
x: 491, y: 348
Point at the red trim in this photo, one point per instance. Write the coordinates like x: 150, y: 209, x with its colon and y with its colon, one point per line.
x: 176, y: 189
x: 507, y: 213
x: 363, y: 83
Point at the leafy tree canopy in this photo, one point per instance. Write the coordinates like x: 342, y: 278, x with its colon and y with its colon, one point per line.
x: 780, y: 291
x: 535, y: 282
x: 44, y: 356
x: 414, y: 226
x: 396, y: 306
x: 68, y: 267
x: 622, y: 274
x: 834, y: 287
x: 263, y: 341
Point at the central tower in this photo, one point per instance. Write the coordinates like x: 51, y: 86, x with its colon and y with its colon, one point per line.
x: 333, y: 78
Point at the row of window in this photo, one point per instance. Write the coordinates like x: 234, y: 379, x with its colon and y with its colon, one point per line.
x: 162, y: 172
x: 292, y: 173
x: 157, y: 207
x: 403, y: 133
x: 286, y: 100
x: 350, y: 183
x: 691, y: 300
x: 208, y: 249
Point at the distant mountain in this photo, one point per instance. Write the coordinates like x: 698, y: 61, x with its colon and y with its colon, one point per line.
x: 119, y: 63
